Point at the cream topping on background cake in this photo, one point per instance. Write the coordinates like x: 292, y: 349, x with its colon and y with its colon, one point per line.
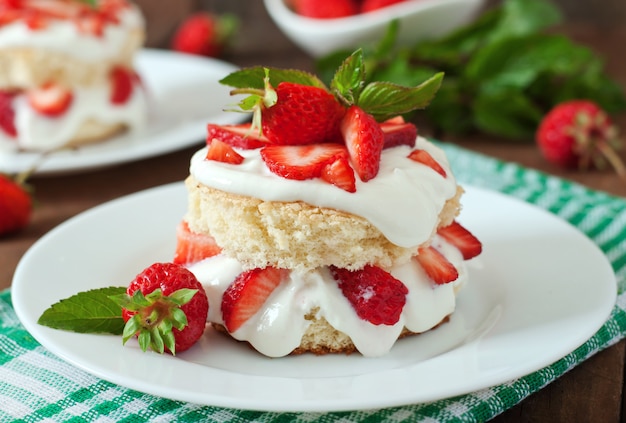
x: 403, y: 201
x: 277, y: 329
x: 38, y: 132
x: 63, y: 36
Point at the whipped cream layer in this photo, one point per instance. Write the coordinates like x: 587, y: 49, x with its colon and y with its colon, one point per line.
x: 403, y: 201
x: 277, y: 329
x: 41, y: 133
x: 63, y: 36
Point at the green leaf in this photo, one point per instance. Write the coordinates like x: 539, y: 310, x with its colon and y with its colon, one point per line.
x: 384, y: 100
x: 254, y: 77
x: 182, y: 296
x: 87, y: 312
x: 349, y: 79
x: 524, y: 17
x: 156, y: 340
x: 508, y: 113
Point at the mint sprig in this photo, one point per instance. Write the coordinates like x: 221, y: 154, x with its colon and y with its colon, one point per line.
x: 90, y: 311
x: 503, y: 72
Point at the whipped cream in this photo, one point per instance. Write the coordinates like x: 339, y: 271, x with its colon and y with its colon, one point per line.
x: 278, y: 327
x: 39, y: 132
x: 63, y: 36
x: 403, y: 201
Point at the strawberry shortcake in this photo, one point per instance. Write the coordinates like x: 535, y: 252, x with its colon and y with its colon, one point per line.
x: 326, y: 225
x: 66, y: 72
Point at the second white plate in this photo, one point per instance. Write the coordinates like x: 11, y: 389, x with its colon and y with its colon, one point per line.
x: 184, y: 94
x: 540, y: 291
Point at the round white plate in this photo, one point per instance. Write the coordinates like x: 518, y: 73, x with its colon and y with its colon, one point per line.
x: 185, y: 95
x: 540, y: 290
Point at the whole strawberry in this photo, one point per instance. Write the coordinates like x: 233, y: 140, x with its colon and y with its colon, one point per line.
x: 325, y: 9
x: 579, y: 134
x: 204, y: 34
x: 165, y: 307
x: 15, y: 206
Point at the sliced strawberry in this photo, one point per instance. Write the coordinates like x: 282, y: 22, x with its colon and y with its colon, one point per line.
x: 404, y: 133
x: 301, y: 161
x: 436, y: 266
x: 376, y: 296
x: 121, y: 84
x: 395, y: 120
x: 340, y: 174
x: 240, y: 136
x: 461, y: 238
x: 7, y: 113
x: 222, y: 152
x: 247, y: 294
x: 364, y: 140
x: 424, y: 157
x: 50, y: 99
x: 192, y: 247
x: 90, y: 23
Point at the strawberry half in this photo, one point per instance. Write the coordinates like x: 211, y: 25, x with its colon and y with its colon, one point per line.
x: 424, y: 157
x: 364, y: 140
x: 15, y: 206
x: 122, y: 80
x: 436, y: 266
x: 461, y: 238
x: 240, y: 136
x: 191, y: 247
x: 375, y: 295
x: 340, y: 174
x: 50, y: 100
x: 222, y: 152
x: 403, y: 133
x: 301, y: 161
x: 7, y: 113
x: 247, y: 294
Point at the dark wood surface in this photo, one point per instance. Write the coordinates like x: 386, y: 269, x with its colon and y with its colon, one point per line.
x: 592, y: 392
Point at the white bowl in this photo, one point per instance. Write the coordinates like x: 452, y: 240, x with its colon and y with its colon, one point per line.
x: 419, y: 19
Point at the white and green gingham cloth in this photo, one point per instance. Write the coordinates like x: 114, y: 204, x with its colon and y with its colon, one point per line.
x: 37, y: 386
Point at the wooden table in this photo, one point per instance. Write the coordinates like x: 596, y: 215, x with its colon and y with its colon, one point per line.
x: 592, y: 392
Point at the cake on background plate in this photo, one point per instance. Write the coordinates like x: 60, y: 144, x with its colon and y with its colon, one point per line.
x: 66, y: 72
x: 326, y: 225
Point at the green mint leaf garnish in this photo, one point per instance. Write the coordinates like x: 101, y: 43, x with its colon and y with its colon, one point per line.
x: 349, y: 79
x: 255, y: 78
x: 87, y: 312
x: 385, y: 100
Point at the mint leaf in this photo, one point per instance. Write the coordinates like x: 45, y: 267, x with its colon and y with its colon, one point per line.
x: 254, y: 77
x: 384, y: 100
x: 87, y: 312
x: 349, y: 79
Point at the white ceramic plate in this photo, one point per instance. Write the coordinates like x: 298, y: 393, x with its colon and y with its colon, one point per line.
x: 184, y: 96
x: 541, y: 290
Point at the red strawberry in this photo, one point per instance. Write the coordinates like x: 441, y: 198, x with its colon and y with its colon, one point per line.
x: 364, y: 140
x: 192, y: 247
x: 7, y: 113
x: 371, y: 5
x: 240, y: 136
x: 165, y: 307
x: 340, y: 174
x: 461, y: 238
x: 301, y: 161
x: 50, y: 99
x: 376, y: 296
x: 436, y: 266
x: 122, y: 80
x: 325, y: 9
x: 204, y: 34
x: 302, y: 114
x: 403, y: 133
x: 424, y: 157
x: 579, y: 134
x: 15, y: 206
x: 247, y: 294
x: 222, y: 152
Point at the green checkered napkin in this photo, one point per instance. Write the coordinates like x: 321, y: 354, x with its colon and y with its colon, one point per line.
x: 35, y: 385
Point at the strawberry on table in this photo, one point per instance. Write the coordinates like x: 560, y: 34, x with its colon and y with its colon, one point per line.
x: 165, y: 307
x: 375, y: 295
x: 247, y: 294
x: 579, y: 134
x: 204, y: 34
x: 15, y: 206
